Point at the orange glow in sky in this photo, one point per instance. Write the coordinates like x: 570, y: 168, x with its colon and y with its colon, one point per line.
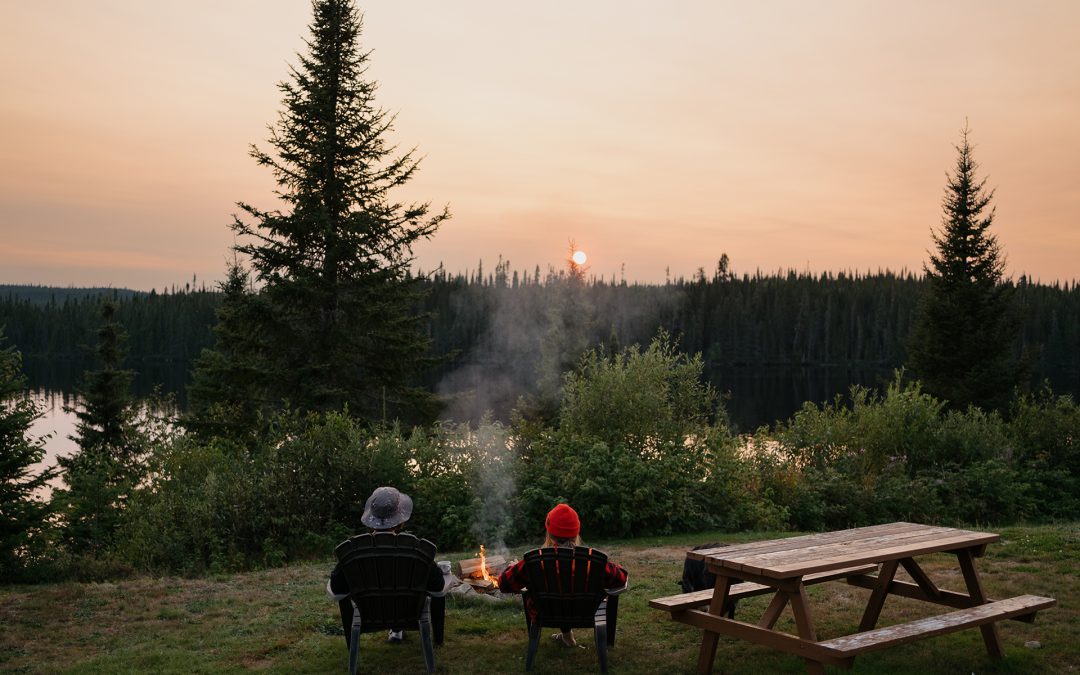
x: 805, y: 135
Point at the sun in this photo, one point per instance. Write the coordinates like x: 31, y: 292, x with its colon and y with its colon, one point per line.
x: 579, y: 257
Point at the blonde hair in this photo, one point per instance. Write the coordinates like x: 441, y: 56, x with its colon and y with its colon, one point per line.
x: 550, y: 542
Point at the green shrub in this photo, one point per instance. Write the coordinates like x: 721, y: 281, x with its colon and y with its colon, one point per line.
x: 300, y: 489
x: 899, y: 455
x: 633, y: 450
x: 1045, y: 433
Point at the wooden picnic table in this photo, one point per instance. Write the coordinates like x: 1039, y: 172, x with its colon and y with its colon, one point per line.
x: 784, y: 567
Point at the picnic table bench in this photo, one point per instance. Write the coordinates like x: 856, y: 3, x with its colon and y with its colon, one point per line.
x: 785, y: 567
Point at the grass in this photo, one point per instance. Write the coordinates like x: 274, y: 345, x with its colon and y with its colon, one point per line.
x: 280, y: 621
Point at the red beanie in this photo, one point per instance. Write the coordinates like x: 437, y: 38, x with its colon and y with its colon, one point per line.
x: 562, y: 522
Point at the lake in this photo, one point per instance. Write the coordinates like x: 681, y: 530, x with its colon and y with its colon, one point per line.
x: 753, y: 396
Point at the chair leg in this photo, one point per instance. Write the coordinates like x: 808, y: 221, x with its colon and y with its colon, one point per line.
x: 438, y: 619
x: 425, y: 636
x: 601, y: 632
x: 611, y: 613
x: 354, y: 641
x: 534, y: 644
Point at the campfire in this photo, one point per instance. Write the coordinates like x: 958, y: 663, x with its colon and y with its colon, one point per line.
x: 481, y: 573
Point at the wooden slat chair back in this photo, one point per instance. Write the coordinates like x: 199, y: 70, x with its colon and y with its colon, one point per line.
x: 387, y: 575
x: 566, y: 586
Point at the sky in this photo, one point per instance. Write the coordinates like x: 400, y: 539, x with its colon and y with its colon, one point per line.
x: 812, y: 136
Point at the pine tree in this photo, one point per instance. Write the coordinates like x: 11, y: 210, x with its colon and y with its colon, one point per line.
x: 338, y: 325
x: 22, y: 514
x: 227, y: 392
x: 104, y: 472
x: 963, y: 341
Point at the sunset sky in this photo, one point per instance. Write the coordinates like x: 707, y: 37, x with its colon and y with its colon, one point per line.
x: 805, y: 135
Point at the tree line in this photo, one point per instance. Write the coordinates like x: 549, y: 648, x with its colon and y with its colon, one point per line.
x: 792, y: 319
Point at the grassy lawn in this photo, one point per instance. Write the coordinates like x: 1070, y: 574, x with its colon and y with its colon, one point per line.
x: 280, y: 621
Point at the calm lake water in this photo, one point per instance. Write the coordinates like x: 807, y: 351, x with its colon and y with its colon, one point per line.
x: 753, y: 396
x: 56, y: 424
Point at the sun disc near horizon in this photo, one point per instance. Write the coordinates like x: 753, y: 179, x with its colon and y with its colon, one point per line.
x: 579, y: 257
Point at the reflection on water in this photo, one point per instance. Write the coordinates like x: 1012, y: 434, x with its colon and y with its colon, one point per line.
x: 57, y: 425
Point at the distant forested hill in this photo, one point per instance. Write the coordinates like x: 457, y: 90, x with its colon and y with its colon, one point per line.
x: 55, y: 323
x: 43, y: 295
x: 508, y: 323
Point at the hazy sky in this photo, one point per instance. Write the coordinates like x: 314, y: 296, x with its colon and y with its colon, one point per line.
x: 806, y: 135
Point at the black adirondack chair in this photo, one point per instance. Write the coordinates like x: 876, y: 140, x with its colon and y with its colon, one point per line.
x: 387, y: 575
x: 567, y: 588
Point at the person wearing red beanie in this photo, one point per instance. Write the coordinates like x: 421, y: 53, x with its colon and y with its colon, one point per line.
x: 562, y: 523
x: 563, y: 528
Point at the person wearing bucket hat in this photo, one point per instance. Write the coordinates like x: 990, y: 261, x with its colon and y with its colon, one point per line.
x: 386, y: 510
x: 563, y: 529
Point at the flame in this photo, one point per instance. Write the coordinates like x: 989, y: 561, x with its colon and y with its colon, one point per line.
x: 484, y: 568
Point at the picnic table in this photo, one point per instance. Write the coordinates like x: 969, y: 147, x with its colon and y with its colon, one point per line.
x: 785, y: 567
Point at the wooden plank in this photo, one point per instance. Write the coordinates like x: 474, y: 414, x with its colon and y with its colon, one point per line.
x: 802, y: 541
x: 990, y: 634
x: 773, y: 611
x: 933, y: 545
x: 838, y: 551
x: 981, y: 615
x: 784, y: 642
x: 929, y: 588
x: 747, y: 589
x: 677, y: 603
x: 910, y: 590
x: 800, y: 607
x: 877, y: 598
x: 849, y: 548
x: 710, y: 639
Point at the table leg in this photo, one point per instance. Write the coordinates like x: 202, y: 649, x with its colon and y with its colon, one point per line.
x: 708, y: 638
x: 990, y: 634
x: 877, y: 597
x: 800, y: 607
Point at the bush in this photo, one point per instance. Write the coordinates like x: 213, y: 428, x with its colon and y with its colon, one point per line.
x: 1045, y: 433
x: 634, y: 451
x: 300, y: 489
x: 901, y: 456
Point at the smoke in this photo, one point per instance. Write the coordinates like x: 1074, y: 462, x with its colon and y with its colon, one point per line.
x: 501, y: 365
x: 494, y: 474
x: 532, y: 336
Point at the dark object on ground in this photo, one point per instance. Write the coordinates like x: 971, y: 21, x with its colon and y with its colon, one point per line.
x: 388, y: 585
x: 566, y: 586
x: 696, y: 578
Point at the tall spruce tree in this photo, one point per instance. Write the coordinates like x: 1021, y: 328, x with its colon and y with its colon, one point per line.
x: 101, y: 476
x: 339, y: 323
x: 227, y: 392
x: 963, y: 340
x: 22, y: 512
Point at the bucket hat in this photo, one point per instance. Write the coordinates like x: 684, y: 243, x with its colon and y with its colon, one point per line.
x: 386, y: 508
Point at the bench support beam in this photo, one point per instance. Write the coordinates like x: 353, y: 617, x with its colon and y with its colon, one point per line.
x: 877, y: 597
x: 991, y: 635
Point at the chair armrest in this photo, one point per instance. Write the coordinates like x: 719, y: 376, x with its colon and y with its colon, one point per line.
x: 336, y: 597
x: 445, y: 587
x: 620, y: 589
